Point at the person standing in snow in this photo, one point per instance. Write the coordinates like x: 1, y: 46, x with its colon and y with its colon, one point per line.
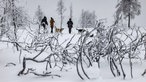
x: 44, y: 22
x: 52, y: 24
x: 70, y: 25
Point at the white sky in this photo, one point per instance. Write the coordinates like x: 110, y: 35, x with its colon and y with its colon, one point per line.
x: 103, y: 8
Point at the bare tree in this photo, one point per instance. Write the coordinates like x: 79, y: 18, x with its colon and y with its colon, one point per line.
x: 61, y: 9
x: 39, y: 16
x: 71, y: 11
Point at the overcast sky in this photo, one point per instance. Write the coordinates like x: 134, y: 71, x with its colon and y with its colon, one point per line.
x: 103, y: 9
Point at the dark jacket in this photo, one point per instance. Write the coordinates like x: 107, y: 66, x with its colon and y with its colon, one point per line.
x: 44, y: 21
x: 70, y: 23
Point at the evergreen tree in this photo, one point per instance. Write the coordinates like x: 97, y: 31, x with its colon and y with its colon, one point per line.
x: 128, y: 9
x: 88, y: 19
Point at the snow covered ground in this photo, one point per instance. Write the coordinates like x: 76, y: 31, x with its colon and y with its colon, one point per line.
x: 8, y: 54
x: 9, y: 73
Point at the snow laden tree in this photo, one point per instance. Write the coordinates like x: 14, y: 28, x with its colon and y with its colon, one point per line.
x: 144, y: 41
x: 128, y: 9
x: 13, y: 18
x: 4, y: 9
x: 39, y: 16
x: 88, y: 19
x: 61, y: 9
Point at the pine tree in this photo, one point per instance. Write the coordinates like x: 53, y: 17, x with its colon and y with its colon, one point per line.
x: 88, y: 19
x: 128, y: 9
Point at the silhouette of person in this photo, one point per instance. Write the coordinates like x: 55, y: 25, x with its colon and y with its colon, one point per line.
x: 70, y: 25
x: 52, y: 24
x: 44, y: 22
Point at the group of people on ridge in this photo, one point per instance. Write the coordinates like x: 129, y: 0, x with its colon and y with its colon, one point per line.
x: 44, y: 23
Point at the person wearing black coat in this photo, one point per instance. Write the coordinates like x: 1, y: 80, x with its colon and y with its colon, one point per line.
x: 44, y: 22
x: 70, y: 25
